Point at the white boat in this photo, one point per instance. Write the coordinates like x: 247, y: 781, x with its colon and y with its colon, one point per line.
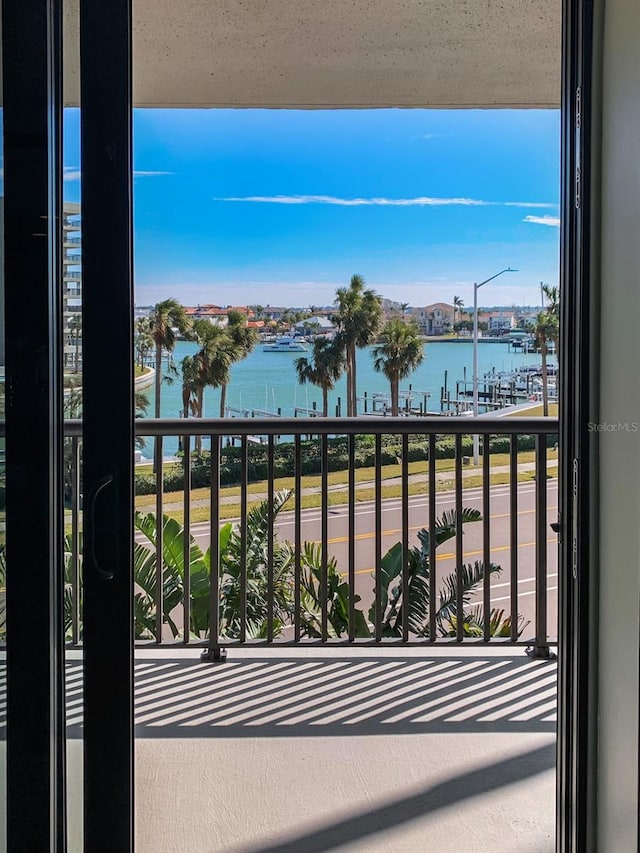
x: 285, y: 344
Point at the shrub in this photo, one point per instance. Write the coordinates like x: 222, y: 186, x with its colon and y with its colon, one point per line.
x: 337, y: 457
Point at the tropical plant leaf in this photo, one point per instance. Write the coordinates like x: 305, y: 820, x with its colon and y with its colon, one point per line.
x: 173, y: 572
x: 449, y: 608
x: 336, y: 595
x: 447, y: 526
x: 412, y: 571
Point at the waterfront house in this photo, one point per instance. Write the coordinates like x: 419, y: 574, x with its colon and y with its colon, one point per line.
x: 500, y: 322
x: 216, y: 314
x: 271, y: 312
x: 316, y: 325
x: 435, y: 319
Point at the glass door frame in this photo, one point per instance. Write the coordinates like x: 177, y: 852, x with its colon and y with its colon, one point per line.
x: 31, y: 60
x: 33, y: 111
x: 578, y: 487
x: 108, y: 415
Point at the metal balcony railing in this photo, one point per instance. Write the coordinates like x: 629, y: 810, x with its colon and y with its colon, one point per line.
x: 356, y: 553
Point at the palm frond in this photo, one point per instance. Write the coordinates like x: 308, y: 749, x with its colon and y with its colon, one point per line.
x: 449, y: 607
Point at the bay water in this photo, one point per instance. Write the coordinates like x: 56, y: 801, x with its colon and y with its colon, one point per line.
x: 267, y: 381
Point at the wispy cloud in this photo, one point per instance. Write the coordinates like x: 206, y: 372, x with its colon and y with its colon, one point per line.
x: 543, y: 220
x: 536, y: 204
x: 420, y: 201
x: 72, y: 173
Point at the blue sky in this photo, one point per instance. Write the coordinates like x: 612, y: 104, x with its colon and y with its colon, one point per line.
x: 280, y: 207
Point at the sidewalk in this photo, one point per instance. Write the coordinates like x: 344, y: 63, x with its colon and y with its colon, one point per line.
x: 441, y: 477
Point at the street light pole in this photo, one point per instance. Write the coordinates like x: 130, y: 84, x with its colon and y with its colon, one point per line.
x: 476, y: 288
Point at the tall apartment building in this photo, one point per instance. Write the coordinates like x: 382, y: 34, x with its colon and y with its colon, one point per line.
x: 72, y: 287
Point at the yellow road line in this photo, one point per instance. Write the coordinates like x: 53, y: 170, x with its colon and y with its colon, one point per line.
x: 392, y: 532
x: 465, y: 554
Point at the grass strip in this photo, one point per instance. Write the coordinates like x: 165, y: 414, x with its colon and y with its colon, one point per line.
x: 340, y: 498
x: 336, y: 478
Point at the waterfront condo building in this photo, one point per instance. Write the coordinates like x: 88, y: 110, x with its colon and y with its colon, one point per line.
x: 72, y: 287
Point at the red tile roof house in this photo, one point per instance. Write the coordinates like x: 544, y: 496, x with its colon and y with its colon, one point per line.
x: 215, y: 314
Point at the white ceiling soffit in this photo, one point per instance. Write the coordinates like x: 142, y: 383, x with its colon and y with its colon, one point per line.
x: 341, y: 53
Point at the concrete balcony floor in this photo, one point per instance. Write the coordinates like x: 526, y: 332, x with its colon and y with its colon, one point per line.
x: 307, y: 750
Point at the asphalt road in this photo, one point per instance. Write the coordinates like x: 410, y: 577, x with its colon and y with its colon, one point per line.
x: 445, y: 559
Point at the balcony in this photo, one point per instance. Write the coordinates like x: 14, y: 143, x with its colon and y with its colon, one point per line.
x: 399, y: 724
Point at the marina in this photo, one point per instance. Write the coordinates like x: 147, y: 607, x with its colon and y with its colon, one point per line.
x: 265, y: 384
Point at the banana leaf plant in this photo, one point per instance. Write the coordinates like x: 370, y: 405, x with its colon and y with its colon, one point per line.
x: 254, y: 557
x: 336, y: 597
x: 232, y: 557
x: 144, y: 578
x: 145, y: 575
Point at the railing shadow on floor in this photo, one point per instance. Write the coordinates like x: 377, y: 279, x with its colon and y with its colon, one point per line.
x: 338, y: 696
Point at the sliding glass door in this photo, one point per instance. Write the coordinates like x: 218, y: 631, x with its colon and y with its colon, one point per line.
x: 67, y: 443
x: 107, y: 317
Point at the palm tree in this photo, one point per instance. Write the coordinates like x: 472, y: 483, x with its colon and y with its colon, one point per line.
x: 212, y: 363
x: 324, y: 370
x: 257, y: 311
x: 553, y: 299
x: 545, y: 330
x: 164, y: 318
x: 189, y: 369
x: 358, y: 320
x: 143, y: 340
x: 241, y: 341
x: 213, y: 359
x: 458, y: 305
x: 397, y: 354
x: 403, y: 308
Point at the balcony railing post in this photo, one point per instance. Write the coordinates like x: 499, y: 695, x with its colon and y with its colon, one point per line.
x: 352, y: 537
x: 159, y: 538
x: 540, y: 649
x: 214, y: 653
x: 486, y: 536
x: 324, y: 534
x: 244, y: 457
x: 378, y: 539
x: 186, y: 590
x: 459, y: 545
x: 513, y: 535
x: 270, y: 537
x: 405, y: 538
x: 297, y: 580
x: 432, y: 538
